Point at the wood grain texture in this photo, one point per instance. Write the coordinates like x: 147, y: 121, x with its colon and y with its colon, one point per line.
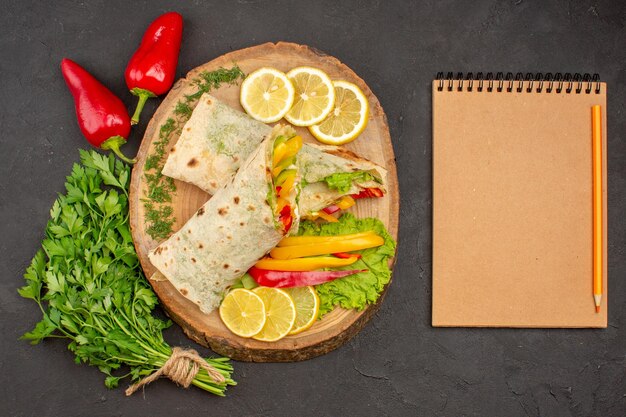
x: 374, y: 143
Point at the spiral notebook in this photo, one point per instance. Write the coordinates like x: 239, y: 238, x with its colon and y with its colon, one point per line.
x: 512, y: 200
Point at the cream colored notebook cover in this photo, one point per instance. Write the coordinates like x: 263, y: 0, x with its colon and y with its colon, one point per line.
x: 512, y: 203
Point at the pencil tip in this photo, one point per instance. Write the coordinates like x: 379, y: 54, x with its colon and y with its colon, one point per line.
x: 597, y: 309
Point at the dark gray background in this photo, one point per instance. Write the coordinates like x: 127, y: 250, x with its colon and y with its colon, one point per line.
x: 399, y: 364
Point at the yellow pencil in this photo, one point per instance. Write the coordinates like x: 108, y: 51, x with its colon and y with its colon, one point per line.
x: 598, y: 264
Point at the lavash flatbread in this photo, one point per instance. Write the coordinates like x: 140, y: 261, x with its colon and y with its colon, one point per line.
x: 227, y: 235
x: 213, y: 143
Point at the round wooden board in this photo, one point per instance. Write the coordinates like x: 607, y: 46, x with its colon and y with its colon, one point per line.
x: 374, y: 143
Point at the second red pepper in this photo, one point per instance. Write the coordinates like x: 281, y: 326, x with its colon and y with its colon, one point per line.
x: 152, y: 68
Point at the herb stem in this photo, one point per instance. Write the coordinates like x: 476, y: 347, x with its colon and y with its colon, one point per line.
x: 139, y: 341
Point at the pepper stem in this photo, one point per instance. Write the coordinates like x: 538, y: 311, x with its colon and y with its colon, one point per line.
x: 143, y: 95
x: 113, y: 143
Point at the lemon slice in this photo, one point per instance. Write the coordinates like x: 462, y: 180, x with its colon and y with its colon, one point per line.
x: 266, y: 95
x: 307, y: 307
x: 243, y: 312
x: 314, y: 98
x: 280, y: 313
x: 347, y: 120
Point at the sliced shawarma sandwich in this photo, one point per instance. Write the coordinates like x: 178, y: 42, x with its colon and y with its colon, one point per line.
x: 240, y: 224
x: 217, y: 139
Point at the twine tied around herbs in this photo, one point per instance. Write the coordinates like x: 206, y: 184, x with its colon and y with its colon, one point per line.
x: 182, y: 367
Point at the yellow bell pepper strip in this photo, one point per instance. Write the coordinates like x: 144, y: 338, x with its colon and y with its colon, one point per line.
x: 304, y: 264
x: 280, y: 204
x: 288, y: 279
x: 292, y: 147
x: 285, y: 163
x: 313, y: 249
x: 287, y: 185
x: 279, y: 153
x: 323, y: 215
x: 284, y: 176
x: 276, y: 171
x: 307, y: 240
x: 286, y: 150
x: 346, y: 202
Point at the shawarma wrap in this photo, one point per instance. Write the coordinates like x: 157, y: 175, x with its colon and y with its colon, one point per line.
x: 329, y: 173
x: 235, y: 228
x: 213, y: 144
x: 217, y: 138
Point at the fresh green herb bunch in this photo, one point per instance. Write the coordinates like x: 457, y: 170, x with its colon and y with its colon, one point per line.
x: 89, y: 285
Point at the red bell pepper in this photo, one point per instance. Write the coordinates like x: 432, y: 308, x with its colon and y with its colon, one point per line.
x: 368, y: 193
x: 102, y: 116
x: 286, y: 218
x: 331, y: 209
x: 345, y: 255
x: 151, y: 70
x: 288, y: 279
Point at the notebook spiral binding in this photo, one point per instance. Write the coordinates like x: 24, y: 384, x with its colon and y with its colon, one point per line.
x: 509, y: 82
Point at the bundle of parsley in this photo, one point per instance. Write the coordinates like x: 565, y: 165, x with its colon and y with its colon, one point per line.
x: 89, y: 285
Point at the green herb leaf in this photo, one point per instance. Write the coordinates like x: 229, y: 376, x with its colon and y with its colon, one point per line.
x: 343, y: 181
x: 42, y: 330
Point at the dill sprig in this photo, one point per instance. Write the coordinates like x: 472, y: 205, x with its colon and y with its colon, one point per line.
x: 159, y: 213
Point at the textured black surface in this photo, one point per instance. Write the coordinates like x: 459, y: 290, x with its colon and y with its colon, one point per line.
x: 399, y: 364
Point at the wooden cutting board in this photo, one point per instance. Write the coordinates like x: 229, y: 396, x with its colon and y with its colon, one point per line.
x: 374, y: 143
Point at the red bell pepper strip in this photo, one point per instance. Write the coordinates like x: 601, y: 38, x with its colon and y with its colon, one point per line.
x: 368, y: 193
x: 288, y: 279
x: 286, y: 218
x: 102, y: 116
x: 345, y: 255
x: 331, y: 209
x: 151, y: 70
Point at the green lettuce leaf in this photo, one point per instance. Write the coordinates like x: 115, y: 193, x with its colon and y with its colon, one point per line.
x: 342, y: 181
x: 359, y: 290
